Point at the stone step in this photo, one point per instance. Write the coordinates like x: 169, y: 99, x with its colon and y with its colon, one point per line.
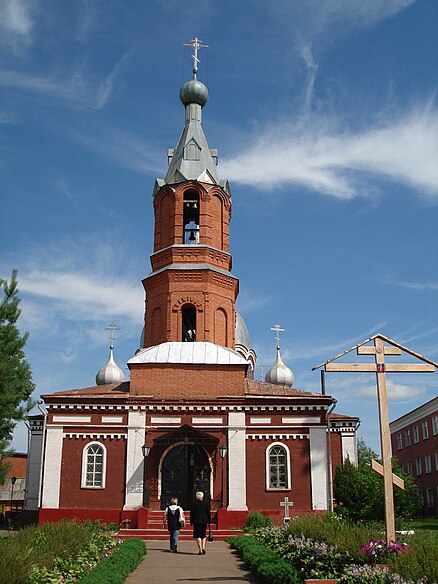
x: 163, y: 535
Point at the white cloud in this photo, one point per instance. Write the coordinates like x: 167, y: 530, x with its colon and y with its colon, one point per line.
x: 395, y: 391
x: 320, y: 155
x: 16, y: 24
x: 417, y: 285
x: 124, y: 149
x: 74, y: 90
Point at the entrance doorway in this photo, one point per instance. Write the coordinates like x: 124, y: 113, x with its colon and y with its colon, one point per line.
x: 185, y: 470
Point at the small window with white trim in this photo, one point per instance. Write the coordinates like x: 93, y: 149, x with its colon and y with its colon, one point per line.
x: 399, y: 441
x: 425, y: 430
x: 278, y: 467
x: 93, y: 466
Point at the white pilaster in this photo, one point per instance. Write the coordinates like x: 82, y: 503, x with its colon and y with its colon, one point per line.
x: 237, y: 461
x: 135, y: 460
x: 349, y: 448
x: 52, y: 468
x: 318, y: 468
x: 33, y: 469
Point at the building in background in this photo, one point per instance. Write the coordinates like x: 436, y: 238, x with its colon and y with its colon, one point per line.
x: 12, y: 492
x: 414, y: 442
x: 192, y: 417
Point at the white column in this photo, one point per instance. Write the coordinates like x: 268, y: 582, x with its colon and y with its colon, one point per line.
x: 349, y: 448
x: 135, y: 460
x: 34, y: 468
x: 237, y: 461
x: 318, y: 468
x: 52, y: 468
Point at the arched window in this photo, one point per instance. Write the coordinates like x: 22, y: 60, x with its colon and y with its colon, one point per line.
x: 191, y: 217
x: 94, y: 466
x: 278, y: 467
x: 188, y: 314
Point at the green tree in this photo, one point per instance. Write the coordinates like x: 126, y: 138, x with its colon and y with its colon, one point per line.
x: 16, y: 384
x: 360, y: 489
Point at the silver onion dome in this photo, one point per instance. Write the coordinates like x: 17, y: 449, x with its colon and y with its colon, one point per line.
x: 241, y: 334
x: 110, y: 372
x: 279, y: 373
x: 193, y: 92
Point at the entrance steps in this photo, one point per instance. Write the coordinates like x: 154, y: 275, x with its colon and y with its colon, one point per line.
x: 155, y: 530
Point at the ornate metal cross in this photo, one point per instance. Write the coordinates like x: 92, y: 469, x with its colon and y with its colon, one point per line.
x: 112, y: 327
x: 196, y: 44
x: 277, y: 330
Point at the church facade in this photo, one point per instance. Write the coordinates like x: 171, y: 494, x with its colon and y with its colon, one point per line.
x: 192, y: 417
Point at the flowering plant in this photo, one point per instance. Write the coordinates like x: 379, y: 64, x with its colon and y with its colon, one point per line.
x: 382, y: 550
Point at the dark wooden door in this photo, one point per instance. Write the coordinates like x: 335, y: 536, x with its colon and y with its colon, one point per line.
x: 185, y: 470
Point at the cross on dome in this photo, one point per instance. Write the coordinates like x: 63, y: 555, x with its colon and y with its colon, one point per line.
x: 277, y: 330
x: 196, y: 44
x: 112, y: 327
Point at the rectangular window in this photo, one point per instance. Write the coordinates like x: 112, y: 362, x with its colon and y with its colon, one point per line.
x: 420, y: 497
x: 407, y: 438
x: 418, y: 466
x: 428, y: 464
x: 429, y: 498
x: 434, y: 425
x: 436, y: 461
x: 409, y: 467
x: 425, y: 430
x: 399, y: 441
x: 416, y: 436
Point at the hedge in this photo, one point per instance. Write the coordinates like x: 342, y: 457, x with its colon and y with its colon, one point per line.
x: 117, y: 567
x: 263, y: 561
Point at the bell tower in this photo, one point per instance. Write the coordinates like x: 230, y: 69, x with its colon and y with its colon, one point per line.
x: 191, y: 292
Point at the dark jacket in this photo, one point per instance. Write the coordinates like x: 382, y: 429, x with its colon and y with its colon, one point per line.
x: 172, y: 516
x: 200, y: 512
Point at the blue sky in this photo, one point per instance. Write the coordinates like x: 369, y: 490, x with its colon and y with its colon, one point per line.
x: 325, y: 116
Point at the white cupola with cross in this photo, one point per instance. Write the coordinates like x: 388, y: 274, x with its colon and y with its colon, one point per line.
x: 279, y: 373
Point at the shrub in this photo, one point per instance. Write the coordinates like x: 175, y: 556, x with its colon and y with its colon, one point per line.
x: 116, y: 568
x: 256, y: 520
x: 279, y: 572
x: 264, y: 561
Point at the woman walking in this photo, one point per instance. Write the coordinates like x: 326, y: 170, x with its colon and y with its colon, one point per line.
x: 174, y: 520
x: 199, y: 518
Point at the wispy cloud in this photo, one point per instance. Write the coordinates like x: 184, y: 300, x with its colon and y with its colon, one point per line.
x: 353, y: 387
x: 74, y: 90
x: 123, y: 148
x: 416, y: 285
x: 16, y: 24
x: 91, y: 282
x: 325, y: 157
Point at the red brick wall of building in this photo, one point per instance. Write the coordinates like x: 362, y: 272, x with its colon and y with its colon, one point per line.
x: 72, y: 495
x: 179, y: 381
x: 258, y: 497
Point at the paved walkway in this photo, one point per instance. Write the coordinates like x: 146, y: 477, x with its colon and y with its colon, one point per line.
x: 161, y: 566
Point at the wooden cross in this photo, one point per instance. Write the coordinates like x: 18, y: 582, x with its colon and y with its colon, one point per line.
x: 379, y: 349
x: 286, y: 504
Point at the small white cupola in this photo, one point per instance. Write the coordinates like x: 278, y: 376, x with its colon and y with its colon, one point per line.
x: 279, y: 373
x: 110, y: 372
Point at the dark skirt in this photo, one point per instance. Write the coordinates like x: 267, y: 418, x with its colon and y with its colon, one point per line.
x: 200, y: 530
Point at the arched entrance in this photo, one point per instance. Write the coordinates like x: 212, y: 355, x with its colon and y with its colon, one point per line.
x: 185, y: 469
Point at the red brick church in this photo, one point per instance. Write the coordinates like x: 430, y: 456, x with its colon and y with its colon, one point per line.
x: 192, y: 417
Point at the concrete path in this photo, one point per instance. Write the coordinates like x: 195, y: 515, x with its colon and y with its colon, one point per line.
x: 161, y: 566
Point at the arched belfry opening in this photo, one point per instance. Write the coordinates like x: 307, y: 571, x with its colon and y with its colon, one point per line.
x: 188, y: 313
x: 191, y: 218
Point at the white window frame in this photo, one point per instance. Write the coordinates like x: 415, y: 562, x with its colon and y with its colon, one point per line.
x: 407, y: 438
x: 425, y: 429
x: 429, y: 497
x: 436, y: 462
x: 84, y: 466
x: 288, y: 471
x: 418, y: 471
x: 399, y: 441
x: 409, y: 467
x: 416, y: 435
x: 435, y: 425
x: 428, y: 464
